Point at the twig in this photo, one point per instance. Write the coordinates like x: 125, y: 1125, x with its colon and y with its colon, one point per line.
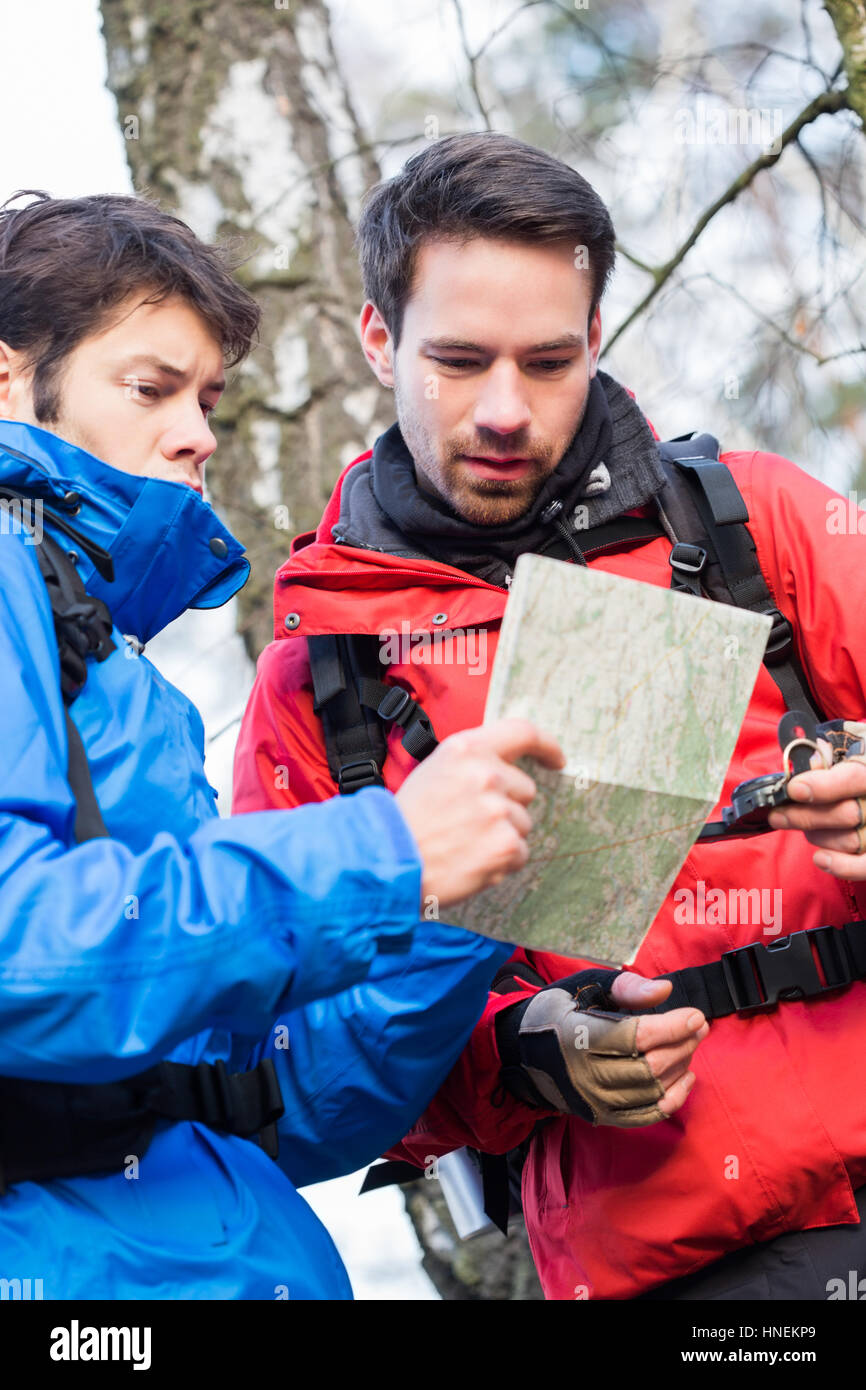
x: 781, y: 333
x: 472, y: 60
x: 824, y: 103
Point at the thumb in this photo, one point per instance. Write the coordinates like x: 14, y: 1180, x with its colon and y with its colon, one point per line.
x: 632, y: 991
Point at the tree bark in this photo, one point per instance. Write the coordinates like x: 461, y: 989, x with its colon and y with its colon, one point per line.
x: 849, y: 21
x: 237, y: 118
x: 487, y: 1268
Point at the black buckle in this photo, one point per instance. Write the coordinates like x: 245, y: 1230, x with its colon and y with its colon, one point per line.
x: 692, y: 565
x: 395, y: 704
x: 781, y: 638
x: 361, y: 773
x: 785, y: 969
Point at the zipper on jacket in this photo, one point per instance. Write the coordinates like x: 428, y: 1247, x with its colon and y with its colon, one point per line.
x: 420, y: 574
x: 552, y: 513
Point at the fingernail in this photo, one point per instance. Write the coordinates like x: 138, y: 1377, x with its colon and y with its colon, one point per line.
x: 823, y: 861
x: 648, y: 987
x: 694, y: 1022
x: 689, y: 1081
x: 779, y: 821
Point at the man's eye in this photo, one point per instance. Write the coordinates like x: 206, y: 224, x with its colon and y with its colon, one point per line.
x: 207, y: 409
x: 551, y: 364
x: 456, y: 361
x: 134, y: 388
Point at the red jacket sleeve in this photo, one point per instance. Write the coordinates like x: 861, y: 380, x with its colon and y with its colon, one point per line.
x: 811, y: 546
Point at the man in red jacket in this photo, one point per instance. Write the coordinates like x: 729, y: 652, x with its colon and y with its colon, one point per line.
x: 484, y: 262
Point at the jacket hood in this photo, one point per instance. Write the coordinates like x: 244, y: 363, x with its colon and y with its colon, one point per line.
x: 169, y: 549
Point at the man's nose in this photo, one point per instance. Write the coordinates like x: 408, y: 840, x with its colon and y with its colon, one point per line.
x: 189, y: 436
x: 503, y: 405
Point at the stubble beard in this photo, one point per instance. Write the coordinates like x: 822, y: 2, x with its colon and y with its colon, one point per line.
x: 480, y: 501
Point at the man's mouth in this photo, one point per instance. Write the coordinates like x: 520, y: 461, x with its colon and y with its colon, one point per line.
x: 487, y: 467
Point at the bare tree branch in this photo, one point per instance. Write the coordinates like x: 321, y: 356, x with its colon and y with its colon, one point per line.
x: 494, y: 33
x: 615, y: 61
x: 824, y: 103
x: 472, y: 60
x: 364, y: 147
x: 822, y: 192
x: 635, y: 260
x: 781, y: 333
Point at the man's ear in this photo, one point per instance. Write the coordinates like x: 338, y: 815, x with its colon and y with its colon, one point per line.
x: 376, y: 343
x: 14, y: 384
x: 594, y: 341
x: 6, y: 373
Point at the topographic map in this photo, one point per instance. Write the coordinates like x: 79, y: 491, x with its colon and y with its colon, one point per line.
x: 646, y: 690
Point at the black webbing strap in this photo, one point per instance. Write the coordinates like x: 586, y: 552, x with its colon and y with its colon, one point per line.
x: 354, y: 737
x: 395, y: 705
x: 82, y: 623
x: 389, y: 1172
x: 89, y: 824
x: 246, y: 1103
x: 82, y: 628
x: 756, y: 977
x: 715, y: 552
x: 354, y: 705
x: 700, y: 454
x: 623, y: 532
x: 55, y: 1129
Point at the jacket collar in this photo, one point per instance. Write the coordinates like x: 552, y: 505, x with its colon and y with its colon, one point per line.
x: 170, y: 550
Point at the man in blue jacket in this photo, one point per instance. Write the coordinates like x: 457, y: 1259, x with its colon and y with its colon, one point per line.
x: 142, y: 929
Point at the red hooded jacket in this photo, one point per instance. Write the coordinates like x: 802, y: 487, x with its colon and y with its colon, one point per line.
x: 772, y: 1137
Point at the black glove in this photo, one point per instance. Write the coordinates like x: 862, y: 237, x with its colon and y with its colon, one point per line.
x: 565, y: 1049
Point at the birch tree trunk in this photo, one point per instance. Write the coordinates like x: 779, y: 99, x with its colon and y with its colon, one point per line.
x: 236, y: 117
x: 849, y: 21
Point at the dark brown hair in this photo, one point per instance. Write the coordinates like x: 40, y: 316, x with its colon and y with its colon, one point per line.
x: 476, y: 185
x: 65, y: 263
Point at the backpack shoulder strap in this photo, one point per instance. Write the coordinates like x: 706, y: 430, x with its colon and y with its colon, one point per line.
x: 354, y: 737
x: 82, y: 626
x: 355, y: 707
x: 714, y: 552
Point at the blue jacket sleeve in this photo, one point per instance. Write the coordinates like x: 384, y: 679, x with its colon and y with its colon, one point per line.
x: 356, y: 1070
x: 246, y: 918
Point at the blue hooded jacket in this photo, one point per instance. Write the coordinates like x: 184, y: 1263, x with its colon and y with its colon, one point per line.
x: 291, y: 934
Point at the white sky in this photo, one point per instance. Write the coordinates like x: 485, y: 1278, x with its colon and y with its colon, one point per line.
x: 59, y: 122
